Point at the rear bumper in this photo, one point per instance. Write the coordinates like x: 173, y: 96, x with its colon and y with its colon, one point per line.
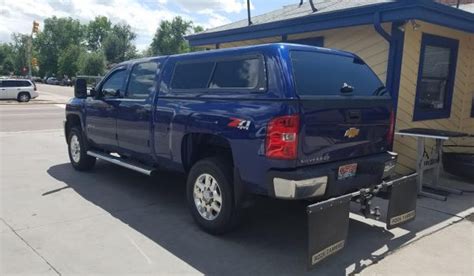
x: 321, y: 181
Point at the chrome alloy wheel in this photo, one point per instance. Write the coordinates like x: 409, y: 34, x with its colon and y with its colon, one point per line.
x: 207, y: 196
x: 75, y: 148
x: 24, y: 98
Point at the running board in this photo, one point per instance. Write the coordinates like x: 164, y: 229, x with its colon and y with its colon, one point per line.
x: 118, y: 161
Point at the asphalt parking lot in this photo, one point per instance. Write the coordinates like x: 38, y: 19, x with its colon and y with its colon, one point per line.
x: 57, y: 221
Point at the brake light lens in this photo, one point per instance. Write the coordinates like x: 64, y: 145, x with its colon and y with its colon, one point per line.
x: 391, y: 130
x: 282, y: 137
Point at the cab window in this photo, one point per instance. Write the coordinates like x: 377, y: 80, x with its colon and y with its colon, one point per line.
x: 142, y: 80
x: 114, y: 83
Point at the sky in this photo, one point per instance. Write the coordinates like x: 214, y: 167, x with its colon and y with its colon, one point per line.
x: 143, y: 15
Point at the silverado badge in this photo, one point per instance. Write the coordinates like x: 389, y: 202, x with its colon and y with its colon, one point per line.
x: 352, y: 132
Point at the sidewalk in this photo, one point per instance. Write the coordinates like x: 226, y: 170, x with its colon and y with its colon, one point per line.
x: 449, y: 251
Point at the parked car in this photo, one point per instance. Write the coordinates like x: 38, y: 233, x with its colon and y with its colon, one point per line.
x: 37, y: 79
x: 52, y: 80
x: 66, y: 82
x: 20, y: 89
x: 280, y: 120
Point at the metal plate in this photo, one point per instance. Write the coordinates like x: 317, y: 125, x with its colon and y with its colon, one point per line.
x: 402, y: 202
x: 328, y: 225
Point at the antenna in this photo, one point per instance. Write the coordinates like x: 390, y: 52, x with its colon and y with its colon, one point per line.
x: 248, y: 12
x: 312, y: 6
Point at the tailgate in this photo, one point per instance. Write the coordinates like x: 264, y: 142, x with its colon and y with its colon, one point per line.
x: 338, y: 129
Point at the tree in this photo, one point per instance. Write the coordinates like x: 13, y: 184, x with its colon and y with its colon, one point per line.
x: 92, y: 64
x: 7, y: 56
x: 118, y: 44
x: 68, y: 61
x: 57, y: 34
x: 20, y: 52
x: 169, y: 37
x: 96, y: 32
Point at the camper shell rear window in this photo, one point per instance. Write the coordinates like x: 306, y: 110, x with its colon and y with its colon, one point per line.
x: 331, y: 74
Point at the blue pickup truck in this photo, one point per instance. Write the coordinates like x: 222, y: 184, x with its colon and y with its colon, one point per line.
x: 280, y: 120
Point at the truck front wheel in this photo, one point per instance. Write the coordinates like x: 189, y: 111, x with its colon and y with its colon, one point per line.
x: 78, y: 152
x: 210, y: 195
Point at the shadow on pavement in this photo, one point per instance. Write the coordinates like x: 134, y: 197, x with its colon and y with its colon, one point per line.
x: 271, y: 240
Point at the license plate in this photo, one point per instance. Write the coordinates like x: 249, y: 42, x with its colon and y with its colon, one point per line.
x: 347, y: 171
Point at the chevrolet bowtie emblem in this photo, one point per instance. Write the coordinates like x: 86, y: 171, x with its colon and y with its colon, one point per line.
x: 352, y: 132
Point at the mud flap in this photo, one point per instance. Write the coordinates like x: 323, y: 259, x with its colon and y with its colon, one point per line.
x: 402, y: 201
x: 328, y: 225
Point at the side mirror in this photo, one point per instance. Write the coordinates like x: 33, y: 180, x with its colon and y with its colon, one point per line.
x: 92, y: 92
x: 109, y: 92
x: 80, y: 88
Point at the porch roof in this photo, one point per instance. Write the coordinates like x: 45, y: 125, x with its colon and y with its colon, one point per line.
x: 337, y: 14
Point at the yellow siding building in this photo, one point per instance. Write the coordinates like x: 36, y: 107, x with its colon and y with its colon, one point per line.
x: 422, y: 50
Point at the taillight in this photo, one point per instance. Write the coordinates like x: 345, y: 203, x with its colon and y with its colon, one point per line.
x: 391, y: 130
x: 282, y: 137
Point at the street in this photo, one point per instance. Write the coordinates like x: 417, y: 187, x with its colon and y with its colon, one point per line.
x: 57, y: 221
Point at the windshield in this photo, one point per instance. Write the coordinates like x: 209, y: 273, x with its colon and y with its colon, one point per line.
x: 323, y: 74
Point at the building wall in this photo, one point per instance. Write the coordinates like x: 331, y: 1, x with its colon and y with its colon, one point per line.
x: 460, y: 119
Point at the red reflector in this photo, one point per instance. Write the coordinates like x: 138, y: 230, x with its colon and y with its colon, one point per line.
x: 391, y: 130
x: 282, y: 137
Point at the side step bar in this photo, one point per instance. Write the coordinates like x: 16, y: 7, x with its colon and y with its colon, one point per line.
x: 118, y: 161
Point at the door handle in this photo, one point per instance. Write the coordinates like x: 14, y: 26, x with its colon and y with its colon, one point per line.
x: 353, y: 116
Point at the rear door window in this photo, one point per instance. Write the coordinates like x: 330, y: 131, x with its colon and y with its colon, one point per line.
x: 142, y: 80
x: 326, y: 74
x: 9, y: 83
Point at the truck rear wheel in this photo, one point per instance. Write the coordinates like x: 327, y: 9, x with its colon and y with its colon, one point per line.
x: 210, y: 195
x: 78, y: 152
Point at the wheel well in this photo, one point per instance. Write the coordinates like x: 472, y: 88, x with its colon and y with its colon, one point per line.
x: 23, y: 92
x: 72, y: 121
x: 196, y: 146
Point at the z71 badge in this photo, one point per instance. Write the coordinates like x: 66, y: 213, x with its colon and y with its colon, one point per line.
x: 239, y: 123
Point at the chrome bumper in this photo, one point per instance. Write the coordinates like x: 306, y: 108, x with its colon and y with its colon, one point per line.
x: 288, y: 189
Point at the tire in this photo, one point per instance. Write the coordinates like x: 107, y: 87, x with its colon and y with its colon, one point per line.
x: 23, y: 97
x: 77, y: 151
x: 220, y: 170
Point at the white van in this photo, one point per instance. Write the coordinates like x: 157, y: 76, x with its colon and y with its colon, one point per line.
x: 18, y: 89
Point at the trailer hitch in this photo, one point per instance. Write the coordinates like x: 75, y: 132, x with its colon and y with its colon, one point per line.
x: 328, y: 221
x: 365, y: 201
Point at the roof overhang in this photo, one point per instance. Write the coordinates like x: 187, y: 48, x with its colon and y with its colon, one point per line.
x: 424, y: 10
